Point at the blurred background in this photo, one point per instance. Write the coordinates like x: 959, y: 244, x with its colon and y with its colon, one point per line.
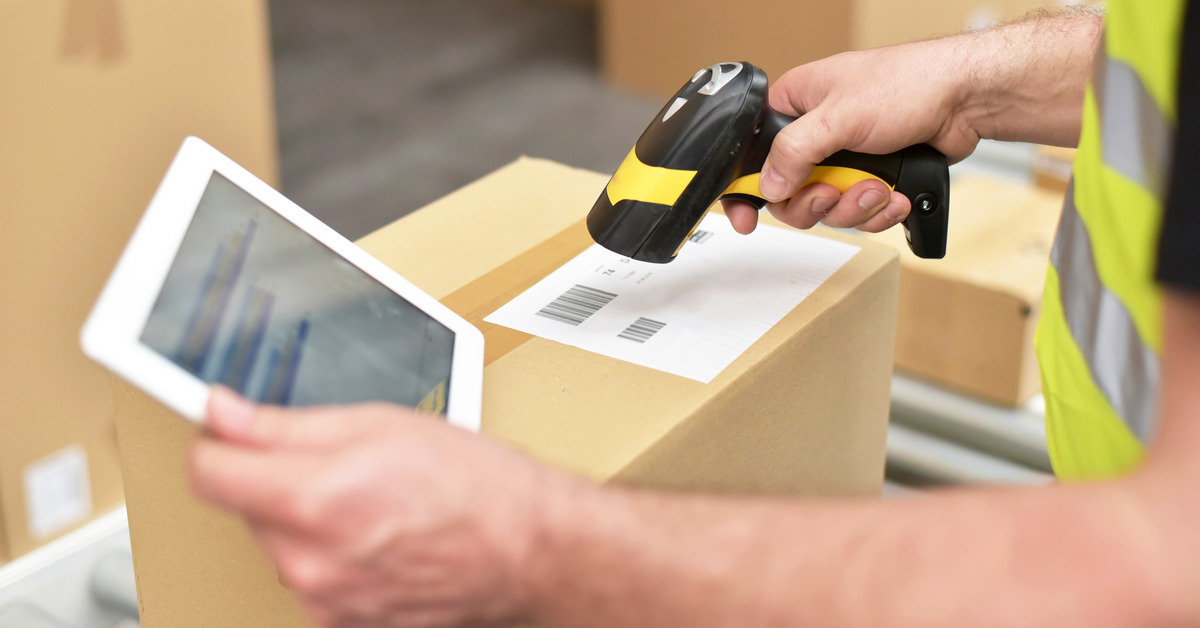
x: 384, y: 106
x: 363, y: 111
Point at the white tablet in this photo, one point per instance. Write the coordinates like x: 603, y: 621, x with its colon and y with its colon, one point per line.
x: 225, y: 281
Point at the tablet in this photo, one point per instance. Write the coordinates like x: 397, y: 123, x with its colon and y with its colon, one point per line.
x: 225, y: 281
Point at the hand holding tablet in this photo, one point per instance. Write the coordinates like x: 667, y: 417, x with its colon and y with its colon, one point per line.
x: 227, y: 282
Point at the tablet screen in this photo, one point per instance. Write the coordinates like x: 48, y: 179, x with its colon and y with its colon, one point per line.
x: 253, y: 302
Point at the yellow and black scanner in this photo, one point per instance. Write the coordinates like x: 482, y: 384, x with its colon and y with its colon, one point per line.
x: 709, y: 143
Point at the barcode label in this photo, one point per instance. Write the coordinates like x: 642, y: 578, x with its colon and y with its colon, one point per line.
x: 57, y: 491
x: 641, y: 330
x: 576, y: 305
x: 700, y: 236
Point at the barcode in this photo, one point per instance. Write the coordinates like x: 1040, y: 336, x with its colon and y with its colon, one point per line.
x: 576, y: 305
x: 700, y: 236
x: 57, y: 491
x: 641, y: 330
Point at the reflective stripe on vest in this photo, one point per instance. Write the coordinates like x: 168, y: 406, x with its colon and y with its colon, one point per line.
x: 1122, y: 366
x: 1137, y: 137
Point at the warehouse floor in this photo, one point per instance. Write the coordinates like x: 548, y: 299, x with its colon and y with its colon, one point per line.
x: 386, y: 105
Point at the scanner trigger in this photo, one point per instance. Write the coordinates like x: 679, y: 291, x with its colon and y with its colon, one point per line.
x: 757, y: 201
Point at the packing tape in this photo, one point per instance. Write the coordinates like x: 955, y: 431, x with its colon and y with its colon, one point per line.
x: 93, y: 28
x: 489, y: 292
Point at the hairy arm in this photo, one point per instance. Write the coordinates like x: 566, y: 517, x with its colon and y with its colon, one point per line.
x: 378, y: 516
x: 1121, y: 553
x: 1027, y: 79
x: 1023, y: 81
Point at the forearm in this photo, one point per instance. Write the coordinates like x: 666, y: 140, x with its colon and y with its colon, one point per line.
x: 1058, y: 556
x: 1019, y: 82
x: 1025, y: 81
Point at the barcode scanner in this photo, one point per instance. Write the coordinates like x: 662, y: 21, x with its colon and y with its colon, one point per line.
x: 709, y: 142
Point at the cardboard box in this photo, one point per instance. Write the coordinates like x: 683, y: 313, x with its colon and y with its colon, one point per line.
x: 654, y: 47
x: 803, y: 411
x: 967, y: 321
x: 589, y: 4
x: 1052, y: 166
x: 95, y: 97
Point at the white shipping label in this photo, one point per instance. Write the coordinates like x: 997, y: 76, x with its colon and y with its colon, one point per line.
x: 691, y: 317
x: 58, y: 492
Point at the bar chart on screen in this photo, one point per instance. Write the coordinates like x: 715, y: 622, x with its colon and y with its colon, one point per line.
x: 256, y: 304
x: 253, y: 353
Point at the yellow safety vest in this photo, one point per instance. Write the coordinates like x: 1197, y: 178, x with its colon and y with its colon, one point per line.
x: 1100, y: 334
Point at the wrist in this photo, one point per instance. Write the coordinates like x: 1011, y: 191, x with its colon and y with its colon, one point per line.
x: 564, y: 510
x: 1024, y: 81
x: 967, y: 96
x: 984, y: 74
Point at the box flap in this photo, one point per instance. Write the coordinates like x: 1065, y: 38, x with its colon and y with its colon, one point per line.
x: 552, y: 197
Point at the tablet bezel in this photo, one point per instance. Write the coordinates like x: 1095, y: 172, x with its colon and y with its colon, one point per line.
x: 111, y: 335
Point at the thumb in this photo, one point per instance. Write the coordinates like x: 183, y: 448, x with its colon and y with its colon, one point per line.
x: 796, y: 149
x: 742, y: 216
x: 236, y: 420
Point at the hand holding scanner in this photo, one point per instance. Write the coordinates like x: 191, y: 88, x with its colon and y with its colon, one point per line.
x: 709, y: 143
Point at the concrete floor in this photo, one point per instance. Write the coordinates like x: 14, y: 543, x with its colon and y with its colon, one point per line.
x: 386, y: 105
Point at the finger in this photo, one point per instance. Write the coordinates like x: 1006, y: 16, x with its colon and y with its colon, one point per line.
x: 251, y: 482
x: 279, y: 546
x: 807, y: 207
x: 796, y: 149
x: 320, y: 613
x: 896, y: 211
x: 742, y: 216
x: 309, y: 566
x: 859, y: 204
x: 798, y: 90
x: 236, y: 420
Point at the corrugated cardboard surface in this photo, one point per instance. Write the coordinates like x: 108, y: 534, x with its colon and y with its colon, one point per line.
x: 95, y: 97
x: 1051, y: 167
x: 803, y: 411
x: 967, y: 321
x: 886, y: 22
x: 654, y: 47
x: 578, y: 3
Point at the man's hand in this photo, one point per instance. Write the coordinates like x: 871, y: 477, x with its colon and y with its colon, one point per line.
x: 377, y: 515
x: 858, y: 101
x: 1021, y: 82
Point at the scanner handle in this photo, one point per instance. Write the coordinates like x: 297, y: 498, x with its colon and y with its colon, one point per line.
x: 919, y: 172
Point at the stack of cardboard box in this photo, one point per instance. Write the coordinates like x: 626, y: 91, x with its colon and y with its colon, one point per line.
x: 95, y: 97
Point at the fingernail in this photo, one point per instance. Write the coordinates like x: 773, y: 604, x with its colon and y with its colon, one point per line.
x: 892, y: 213
x: 872, y: 200
x: 234, y: 411
x: 822, y: 204
x: 772, y: 186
